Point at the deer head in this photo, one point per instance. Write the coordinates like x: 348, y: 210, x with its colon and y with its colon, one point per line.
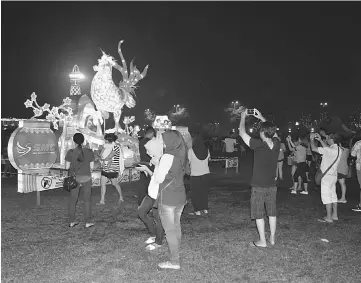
x: 131, y: 78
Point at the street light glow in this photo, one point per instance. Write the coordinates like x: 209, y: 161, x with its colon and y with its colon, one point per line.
x: 251, y: 130
x: 297, y: 124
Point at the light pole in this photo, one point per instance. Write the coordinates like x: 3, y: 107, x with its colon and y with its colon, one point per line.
x: 176, y: 107
x: 323, y: 114
x: 234, y: 104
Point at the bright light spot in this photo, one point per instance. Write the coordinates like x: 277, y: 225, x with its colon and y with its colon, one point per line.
x: 297, y: 124
x: 76, y: 76
x: 312, y: 130
x: 278, y: 129
x: 251, y: 130
x: 289, y: 130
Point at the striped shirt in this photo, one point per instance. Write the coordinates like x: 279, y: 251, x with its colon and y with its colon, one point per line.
x: 114, y: 167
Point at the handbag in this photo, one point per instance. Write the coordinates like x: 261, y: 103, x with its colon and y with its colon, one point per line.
x: 70, y: 181
x: 319, y: 174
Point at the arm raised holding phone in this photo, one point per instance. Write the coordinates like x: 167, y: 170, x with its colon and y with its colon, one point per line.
x: 242, y: 124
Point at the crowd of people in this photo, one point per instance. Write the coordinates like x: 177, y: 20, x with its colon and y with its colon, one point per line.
x: 166, y: 159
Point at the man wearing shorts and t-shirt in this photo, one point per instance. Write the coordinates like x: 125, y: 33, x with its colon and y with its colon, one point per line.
x: 264, y: 190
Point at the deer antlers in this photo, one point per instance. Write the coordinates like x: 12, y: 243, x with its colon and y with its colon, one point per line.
x: 129, y: 80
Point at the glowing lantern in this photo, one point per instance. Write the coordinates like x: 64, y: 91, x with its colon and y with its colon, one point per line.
x: 75, y: 77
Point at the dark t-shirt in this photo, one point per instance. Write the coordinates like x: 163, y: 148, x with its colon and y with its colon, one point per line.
x: 265, y: 163
x: 80, y: 168
x: 142, y: 151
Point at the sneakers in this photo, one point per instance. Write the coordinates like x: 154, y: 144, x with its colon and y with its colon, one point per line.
x: 357, y: 208
x: 168, y: 265
x: 304, y: 192
x: 205, y: 211
x: 152, y: 247
x: 88, y: 225
x: 198, y: 213
x: 342, y: 201
x: 150, y: 240
x: 294, y: 192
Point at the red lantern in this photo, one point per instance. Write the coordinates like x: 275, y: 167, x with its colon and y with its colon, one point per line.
x: 33, y: 146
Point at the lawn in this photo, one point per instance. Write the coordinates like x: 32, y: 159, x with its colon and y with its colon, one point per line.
x: 37, y: 245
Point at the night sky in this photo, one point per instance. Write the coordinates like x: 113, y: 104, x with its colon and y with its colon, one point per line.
x: 282, y: 58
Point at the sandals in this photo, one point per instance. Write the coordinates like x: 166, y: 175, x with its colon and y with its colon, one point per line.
x: 253, y: 244
x: 196, y: 213
x: 73, y: 224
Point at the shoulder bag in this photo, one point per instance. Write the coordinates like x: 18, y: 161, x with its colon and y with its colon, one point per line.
x: 319, y: 174
x: 70, y: 181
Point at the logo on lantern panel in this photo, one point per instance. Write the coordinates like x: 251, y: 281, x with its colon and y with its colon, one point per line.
x: 37, y: 149
x: 22, y: 150
x: 46, y: 182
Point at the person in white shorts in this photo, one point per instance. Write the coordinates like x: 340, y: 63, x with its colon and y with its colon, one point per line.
x: 328, y: 182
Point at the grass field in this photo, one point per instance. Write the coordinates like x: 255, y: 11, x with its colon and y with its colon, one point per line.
x: 38, y: 246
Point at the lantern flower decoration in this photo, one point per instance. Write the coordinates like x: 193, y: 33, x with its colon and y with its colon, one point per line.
x: 127, y: 121
x: 234, y: 111
x: 135, y: 131
x: 149, y: 115
x: 53, y: 114
x: 177, y: 113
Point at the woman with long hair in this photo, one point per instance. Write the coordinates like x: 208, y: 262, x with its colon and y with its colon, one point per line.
x: 198, y: 157
x: 80, y: 162
x: 171, y: 194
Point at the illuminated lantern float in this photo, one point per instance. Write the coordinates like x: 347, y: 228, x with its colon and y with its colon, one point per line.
x: 162, y: 124
x: 38, y: 153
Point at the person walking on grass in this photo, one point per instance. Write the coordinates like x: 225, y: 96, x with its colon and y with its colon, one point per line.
x: 300, y: 174
x: 264, y: 190
x: 171, y: 195
x: 154, y: 149
x: 331, y: 155
x: 342, y: 171
x: 281, y: 158
x: 144, y: 179
x: 198, y: 157
x: 356, y: 153
x: 112, y: 161
x: 80, y: 161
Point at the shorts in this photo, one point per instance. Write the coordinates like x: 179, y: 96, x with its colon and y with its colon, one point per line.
x: 309, y: 158
x: 262, y: 198
x: 341, y: 176
x: 301, y: 170
x: 110, y: 175
x: 328, y: 189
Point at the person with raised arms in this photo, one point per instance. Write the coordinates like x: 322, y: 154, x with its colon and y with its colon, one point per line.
x: 264, y: 190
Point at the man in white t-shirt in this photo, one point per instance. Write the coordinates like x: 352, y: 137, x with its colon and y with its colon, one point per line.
x: 330, y: 152
x: 230, y: 142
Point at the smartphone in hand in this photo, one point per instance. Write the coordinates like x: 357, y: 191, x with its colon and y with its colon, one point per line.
x: 250, y: 111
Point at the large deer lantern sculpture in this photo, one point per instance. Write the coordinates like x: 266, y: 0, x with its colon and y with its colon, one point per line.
x: 106, y: 95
